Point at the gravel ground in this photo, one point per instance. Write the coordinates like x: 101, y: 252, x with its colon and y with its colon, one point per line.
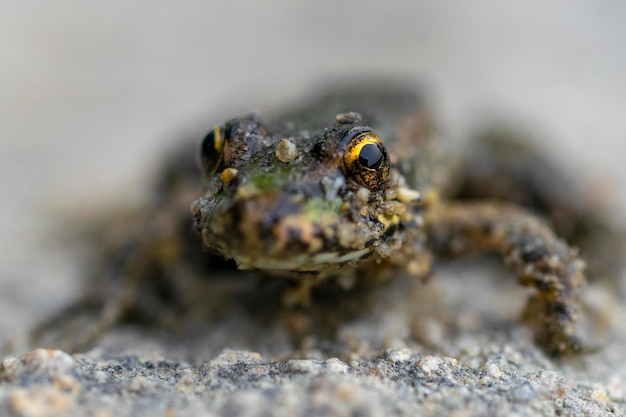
x: 415, y: 350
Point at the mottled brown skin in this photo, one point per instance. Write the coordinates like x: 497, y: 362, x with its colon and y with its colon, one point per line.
x: 287, y: 197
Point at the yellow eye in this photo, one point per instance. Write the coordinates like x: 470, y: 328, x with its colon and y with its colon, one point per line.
x: 211, y: 149
x: 366, y: 160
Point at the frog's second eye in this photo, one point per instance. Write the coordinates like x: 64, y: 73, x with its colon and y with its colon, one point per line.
x: 211, y: 149
x: 366, y: 160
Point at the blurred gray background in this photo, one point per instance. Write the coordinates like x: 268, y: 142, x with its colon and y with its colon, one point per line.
x: 92, y: 93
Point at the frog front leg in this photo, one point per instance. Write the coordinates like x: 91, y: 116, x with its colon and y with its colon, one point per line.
x: 540, y: 258
x: 505, y: 165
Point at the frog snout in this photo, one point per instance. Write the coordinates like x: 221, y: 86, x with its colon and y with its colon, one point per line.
x: 270, y: 232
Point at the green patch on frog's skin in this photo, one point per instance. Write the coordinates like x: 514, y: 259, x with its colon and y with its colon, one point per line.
x: 318, y: 208
x: 269, y: 179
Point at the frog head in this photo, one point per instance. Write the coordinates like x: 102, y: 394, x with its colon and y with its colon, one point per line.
x: 301, y: 201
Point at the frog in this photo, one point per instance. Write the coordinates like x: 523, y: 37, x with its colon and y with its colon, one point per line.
x: 353, y: 186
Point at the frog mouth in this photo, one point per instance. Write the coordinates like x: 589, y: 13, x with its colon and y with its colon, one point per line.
x: 296, y: 242
x: 315, y: 236
x: 302, y: 263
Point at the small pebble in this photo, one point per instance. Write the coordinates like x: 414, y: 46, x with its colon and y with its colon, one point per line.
x: 286, y: 151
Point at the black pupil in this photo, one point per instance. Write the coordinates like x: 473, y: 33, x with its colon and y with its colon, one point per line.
x: 371, y: 156
x: 208, y: 145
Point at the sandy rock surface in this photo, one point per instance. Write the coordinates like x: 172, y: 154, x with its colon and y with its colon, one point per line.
x: 398, y: 382
x: 435, y: 349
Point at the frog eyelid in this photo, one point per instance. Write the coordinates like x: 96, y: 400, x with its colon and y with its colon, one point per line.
x: 354, y: 132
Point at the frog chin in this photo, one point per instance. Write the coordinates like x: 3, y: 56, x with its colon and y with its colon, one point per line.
x: 305, y: 262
